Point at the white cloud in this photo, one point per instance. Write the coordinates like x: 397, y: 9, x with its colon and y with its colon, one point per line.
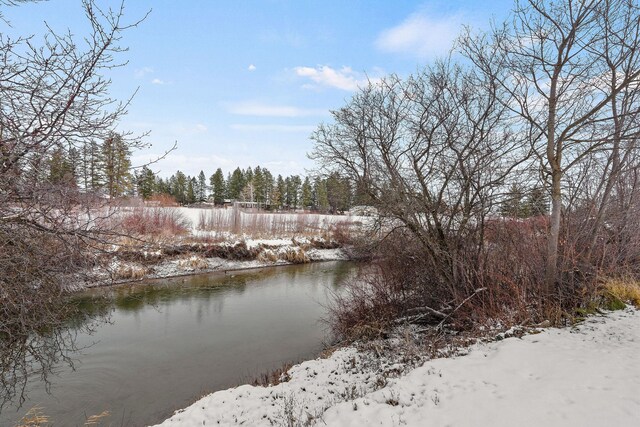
x: 421, y: 35
x: 273, y: 128
x: 323, y: 75
x: 251, y: 67
x: 141, y: 72
x: 158, y: 82
x: 265, y: 110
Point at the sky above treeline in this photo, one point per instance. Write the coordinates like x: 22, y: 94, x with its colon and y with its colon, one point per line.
x: 244, y: 83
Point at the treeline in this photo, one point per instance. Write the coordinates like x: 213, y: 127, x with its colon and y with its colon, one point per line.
x: 105, y: 167
x: 254, y: 185
x: 95, y: 166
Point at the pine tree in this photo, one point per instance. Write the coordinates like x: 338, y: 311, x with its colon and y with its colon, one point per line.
x: 92, y: 166
x: 279, y: 193
x: 268, y: 186
x: 61, y: 169
x: 178, y: 184
x: 75, y: 163
x: 218, y: 187
x: 513, y: 205
x: 295, y: 185
x: 236, y: 184
x: 201, y: 194
x: 322, y: 199
x: 192, y: 184
x: 287, y: 200
x: 338, y: 193
x: 307, y: 194
x: 259, y: 186
x: 117, y: 165
x: 537, y: 202
x: 146, y: 183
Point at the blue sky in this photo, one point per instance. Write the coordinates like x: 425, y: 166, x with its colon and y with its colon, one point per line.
x: 242, y: 83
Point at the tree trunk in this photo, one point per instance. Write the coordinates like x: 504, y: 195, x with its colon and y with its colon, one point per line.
x: 554, y: 232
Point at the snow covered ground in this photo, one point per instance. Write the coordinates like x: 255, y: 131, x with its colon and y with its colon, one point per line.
x: 582, y: 376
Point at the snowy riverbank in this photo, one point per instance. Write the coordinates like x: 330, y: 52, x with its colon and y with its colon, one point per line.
x: 586, y: 375
x: 204, y: 242
x: 270, y: 253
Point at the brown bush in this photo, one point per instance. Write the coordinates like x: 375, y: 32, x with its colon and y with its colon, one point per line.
x: 294, y: 256
x: 154, y: 222
x: 503, y: 279
x: 162, y: 200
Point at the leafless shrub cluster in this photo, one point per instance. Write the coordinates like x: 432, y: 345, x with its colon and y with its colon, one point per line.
x: 152, y: 222
x: 548, y: 100
x: 264, y: 224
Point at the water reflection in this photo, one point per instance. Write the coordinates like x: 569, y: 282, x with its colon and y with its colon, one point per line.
x: 38, y: 357
x: 168, y: 341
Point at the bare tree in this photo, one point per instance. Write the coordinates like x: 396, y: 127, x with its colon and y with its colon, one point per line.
x: 433, y: 153
x: 54, y: 97
x: 566, y: 65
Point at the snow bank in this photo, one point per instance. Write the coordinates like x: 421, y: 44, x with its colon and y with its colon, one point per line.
x: 583, y: 376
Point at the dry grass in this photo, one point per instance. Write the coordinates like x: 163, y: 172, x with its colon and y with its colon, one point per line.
x: 294, y: 256
x: 34, y: 418
x: 95, y: 420
x: 159, y: 221
x: 623, y: 289
x: 129, y: 272
x: 267, y: 256
x: 274, y: 377
x: 193, y: 263
x: 269, y: 225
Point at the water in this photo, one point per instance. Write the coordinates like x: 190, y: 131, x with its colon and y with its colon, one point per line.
x: 171, y: 341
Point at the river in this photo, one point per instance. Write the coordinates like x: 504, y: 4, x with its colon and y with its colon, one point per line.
x: 168, y: 342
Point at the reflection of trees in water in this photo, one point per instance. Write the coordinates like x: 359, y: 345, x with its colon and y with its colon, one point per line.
x: 39, y: 355
x: 342, y: 271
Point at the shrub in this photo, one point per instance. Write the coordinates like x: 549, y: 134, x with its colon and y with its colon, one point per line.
x: 294, y: 255
x: 154, y: 222
x: 503, y: 278
x: 162, y: 200
x: 622, y: 290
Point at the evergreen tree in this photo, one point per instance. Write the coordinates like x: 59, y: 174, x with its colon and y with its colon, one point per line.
x: 322, y: 198
x: 248, y: 175
x: 537, y: 202
x: 161, y: 186
x: 75, y: 162
x: 307, y: 194
x: 295, y: 185
x: 201, y: 193
x: 178, y: 184
x: 192, y: 185
x: 268, y: 186
x: 287, y: 200
x: 60, y: 168
x: 236, y: 184
x: 259, y: 186
x: 513, y: 206
x: 338, y: 193
x: 146, y: 183
x: 117, y: 165
x: 92, y: 161
x: 218, y: 187
x: 279, y: 190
